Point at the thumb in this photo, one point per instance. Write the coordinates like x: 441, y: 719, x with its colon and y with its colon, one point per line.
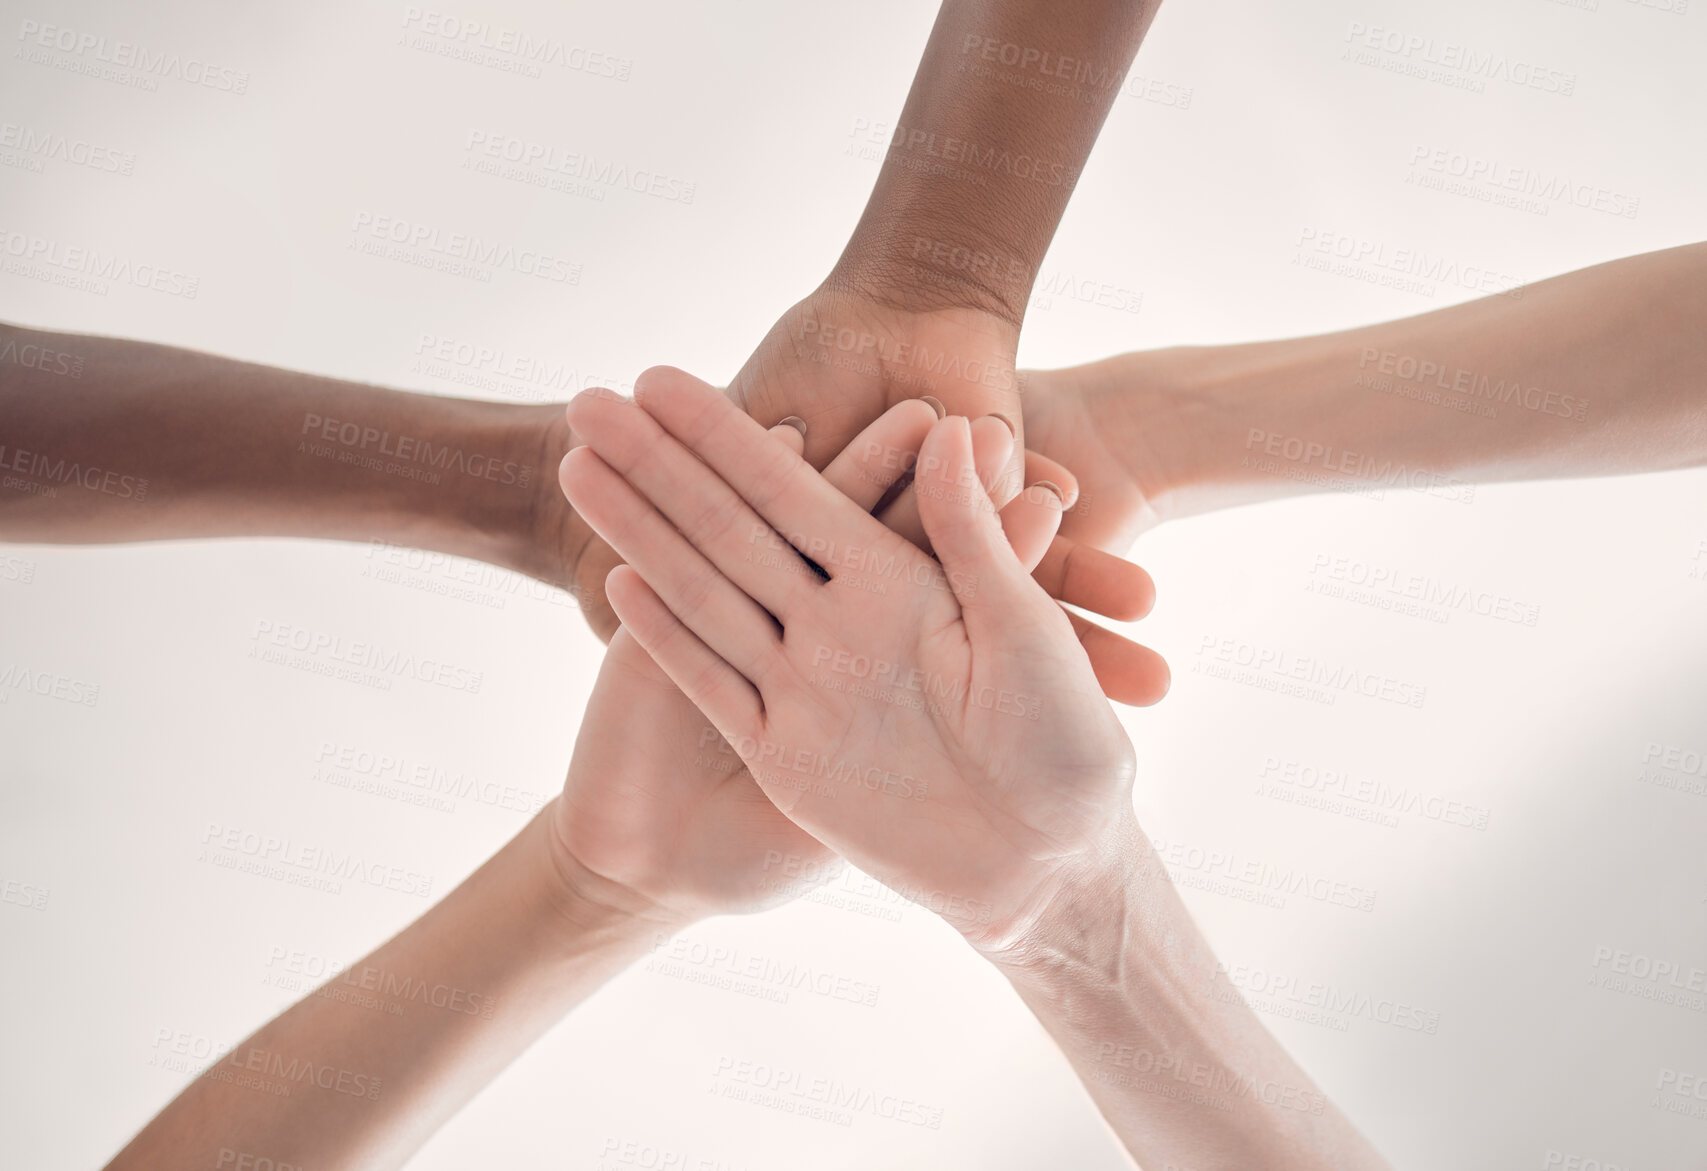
x: 962, y: 523
x: 1031, y: 521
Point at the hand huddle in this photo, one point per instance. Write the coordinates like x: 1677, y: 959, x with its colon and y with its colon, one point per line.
x: 846, y: 605
x: 934, y: 721
x: 842, y: 634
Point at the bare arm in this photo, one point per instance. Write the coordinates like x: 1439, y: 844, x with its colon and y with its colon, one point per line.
x: 1119, y: 974
x: 1005, y: 106
x: 105, y: 439
x: 337, y: 1081
x: 1602, y: 371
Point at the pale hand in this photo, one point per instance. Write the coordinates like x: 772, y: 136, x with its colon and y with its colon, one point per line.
x: 984, y: 768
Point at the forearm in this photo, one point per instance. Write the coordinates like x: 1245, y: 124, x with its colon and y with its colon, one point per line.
x: 1602, y: 371
x: 1004, y: 109
x: 1122, y: 979
x: 103, y: 439
x: 338, y: 1081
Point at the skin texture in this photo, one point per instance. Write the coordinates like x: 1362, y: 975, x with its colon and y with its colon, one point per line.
x: 658, y: 825
x: 1018, y: 831
x: 927, y: 298
x: 930, y: 291
x: 1610, y: 363
x: 171, y: 443
x: 780, y: 701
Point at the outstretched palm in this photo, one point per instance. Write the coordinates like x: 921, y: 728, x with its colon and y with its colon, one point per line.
x: 937, y: 780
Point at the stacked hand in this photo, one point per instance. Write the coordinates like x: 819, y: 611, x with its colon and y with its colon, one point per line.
x: 934, y: 721
x: 838, y: 360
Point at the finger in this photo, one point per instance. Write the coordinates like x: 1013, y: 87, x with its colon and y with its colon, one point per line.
x: 777, y: 485
x: 592, y: 565
x: 962, y: 525
x: 1096, y: 581
x: 1030, y: 521
x: 1041, y: 467
x: 992, y: 447
x: 700, y: 505
x: 881, y: 454
x: 717, y: 689
x: 789, y: 435
x: 726, y: 619
x: 1129, y: 673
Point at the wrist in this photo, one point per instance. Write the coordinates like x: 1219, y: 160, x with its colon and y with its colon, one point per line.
x: 1078, y: 912
x: 585, y: 901
x: 916, y: 265
x: 1194, y: 420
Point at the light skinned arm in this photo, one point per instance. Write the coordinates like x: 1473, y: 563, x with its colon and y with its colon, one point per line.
x: 948, y: 737
x: 513, y: 949
x: 1114, y: 967
x: 658, y: 826
x: 1601, y: 371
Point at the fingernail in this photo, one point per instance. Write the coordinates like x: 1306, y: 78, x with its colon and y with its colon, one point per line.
x: 935, y: 404
x: 1014, y: 431
x: 604, y: 392
x: 1050, y: 485
x: 796, y: 422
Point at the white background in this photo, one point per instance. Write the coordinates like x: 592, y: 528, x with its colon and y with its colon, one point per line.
x: 1200, y: 206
